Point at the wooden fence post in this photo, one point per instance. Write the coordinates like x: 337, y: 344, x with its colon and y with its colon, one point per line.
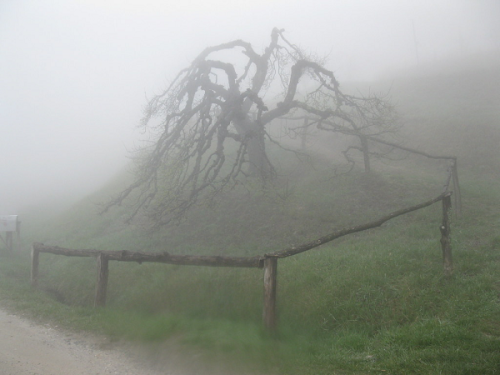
x: 102, y: 280
x: 456, y: 189
x: 270, y: 282
x: 445, y: 237
x: 35, y: 260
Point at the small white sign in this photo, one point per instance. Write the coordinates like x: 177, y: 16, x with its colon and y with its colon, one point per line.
x: 8, y: 223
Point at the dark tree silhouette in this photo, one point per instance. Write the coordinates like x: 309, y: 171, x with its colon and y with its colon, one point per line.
x: 210, y: 126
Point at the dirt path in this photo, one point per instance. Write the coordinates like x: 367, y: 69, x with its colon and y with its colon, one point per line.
x: 28, y: 348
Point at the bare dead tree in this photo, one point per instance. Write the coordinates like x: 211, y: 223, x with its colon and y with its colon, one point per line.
x: 210, y: 124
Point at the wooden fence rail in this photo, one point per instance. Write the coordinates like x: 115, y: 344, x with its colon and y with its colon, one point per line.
x: 359, y: 228
x: 269, y: 262
x: 103, y: 257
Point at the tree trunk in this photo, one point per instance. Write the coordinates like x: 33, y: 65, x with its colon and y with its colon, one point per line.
x: 257, y: 157
x: 253, y: 132
x: 366, y: 153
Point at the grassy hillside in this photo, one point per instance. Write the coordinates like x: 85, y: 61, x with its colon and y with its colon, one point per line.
x: 454, y: 109
x: 374, y: 302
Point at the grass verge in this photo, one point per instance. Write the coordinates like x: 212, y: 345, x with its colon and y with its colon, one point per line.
x: 375, y: 302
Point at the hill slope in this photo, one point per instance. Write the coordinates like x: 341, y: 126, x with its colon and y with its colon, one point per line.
x: 375, y: 301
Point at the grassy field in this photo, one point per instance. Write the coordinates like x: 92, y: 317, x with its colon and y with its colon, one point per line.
x: 375, y: 302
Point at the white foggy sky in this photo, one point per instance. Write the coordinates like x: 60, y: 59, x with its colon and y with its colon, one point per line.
x: 75, y: 75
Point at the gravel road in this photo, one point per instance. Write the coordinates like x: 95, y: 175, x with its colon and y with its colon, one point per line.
x: 29, y: 348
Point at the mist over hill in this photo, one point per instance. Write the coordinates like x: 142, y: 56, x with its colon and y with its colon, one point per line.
x: 448, y: 109
x: 453, y: 108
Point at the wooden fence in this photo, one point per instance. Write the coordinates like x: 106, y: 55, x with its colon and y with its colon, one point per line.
x: 269, y: 261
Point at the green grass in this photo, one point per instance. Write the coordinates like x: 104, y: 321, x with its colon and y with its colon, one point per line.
x: 375, y: 302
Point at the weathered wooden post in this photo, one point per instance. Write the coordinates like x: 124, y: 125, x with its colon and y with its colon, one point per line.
x: 445, y: 236
x: 102, y: 280
x: 35, y: 260
x: 456, y: 188
x: 270, y: 282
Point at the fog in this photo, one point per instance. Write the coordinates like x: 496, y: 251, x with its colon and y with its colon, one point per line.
x: 75, y: 75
